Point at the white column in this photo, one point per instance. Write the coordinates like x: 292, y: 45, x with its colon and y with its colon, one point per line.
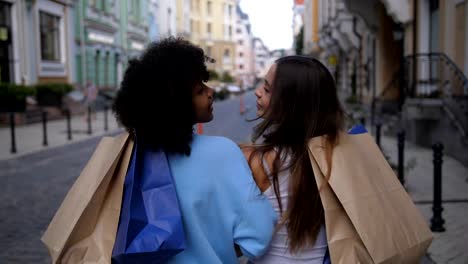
x: 15, y: 42
x: 70, y: 43
x: 423, y: 26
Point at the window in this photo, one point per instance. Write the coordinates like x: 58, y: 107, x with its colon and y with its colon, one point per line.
x: 208, y: 51
x: 241, y: 66
x: 49, y: 36
x: 230, y: 10
x: 230, y: 31
x: 239, y: 30
x: 208, y: 8
x: 226, y: 53
x: 240, y: 42
x: 208, y: 28
x: 92, y: 3
x: 241, y: 54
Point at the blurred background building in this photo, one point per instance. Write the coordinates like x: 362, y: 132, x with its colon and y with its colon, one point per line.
x: 81, y: 43
x: 245, y: 59
x: 35, y: 41
x: 406, y: 60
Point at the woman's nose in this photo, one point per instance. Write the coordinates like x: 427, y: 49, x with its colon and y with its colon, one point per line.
x: 210, y: 92
x: 257, y: 92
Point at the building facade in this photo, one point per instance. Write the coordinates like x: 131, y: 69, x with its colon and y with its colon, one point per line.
x: 183, y: 18
x: 262, y: 58
x: 298, y: 19
x: 245, y: 63
x: 311, y: 27
x: 108, y: 34
x: 166, y: 13
x: 212, y: 27
x: 407, y: 58
x: 35, y: 41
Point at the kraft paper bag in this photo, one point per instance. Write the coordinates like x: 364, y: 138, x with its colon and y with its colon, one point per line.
x: 83, y: 229
x: 369, y: 217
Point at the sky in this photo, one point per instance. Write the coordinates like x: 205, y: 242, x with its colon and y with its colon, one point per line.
x: 271, y: 21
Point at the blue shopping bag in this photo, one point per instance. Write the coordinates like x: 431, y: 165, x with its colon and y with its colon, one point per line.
x: 357, y: 129
x: 150, y: 227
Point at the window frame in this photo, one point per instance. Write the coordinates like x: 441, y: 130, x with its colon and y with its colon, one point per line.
x: 51, y: 68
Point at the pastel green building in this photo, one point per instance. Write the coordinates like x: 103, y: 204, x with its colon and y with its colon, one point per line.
x: 107, y: 34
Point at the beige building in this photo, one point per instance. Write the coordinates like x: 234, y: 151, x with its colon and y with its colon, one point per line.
x: 183, y: 18
x: 311, y: 26
x: 212, y: 27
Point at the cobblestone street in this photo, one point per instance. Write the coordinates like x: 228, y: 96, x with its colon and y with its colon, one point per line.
x: 33, y: 187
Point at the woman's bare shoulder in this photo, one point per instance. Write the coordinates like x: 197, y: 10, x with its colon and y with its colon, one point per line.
x: 254, y: 158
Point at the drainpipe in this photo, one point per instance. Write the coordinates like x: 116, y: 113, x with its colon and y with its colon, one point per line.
x: 359, y: 36
x: 374, y: 81
x: 82, y: 46
x: 415, y: 34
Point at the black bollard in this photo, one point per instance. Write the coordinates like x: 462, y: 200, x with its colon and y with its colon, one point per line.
x: 13, y: 135
x: 401, y: 157
x: 69, y: 131
x: 106, y: 125
x: 378, y: 127
x: 437, y: 222
x: 90, y: 130
x: 44, y: 128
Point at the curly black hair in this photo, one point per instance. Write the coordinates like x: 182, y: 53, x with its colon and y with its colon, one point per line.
x: 155, y: 97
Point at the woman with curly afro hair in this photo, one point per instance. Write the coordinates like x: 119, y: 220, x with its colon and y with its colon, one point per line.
x: 162, y: 95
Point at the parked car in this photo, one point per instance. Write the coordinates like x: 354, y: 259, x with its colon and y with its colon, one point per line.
x: 233, y: 88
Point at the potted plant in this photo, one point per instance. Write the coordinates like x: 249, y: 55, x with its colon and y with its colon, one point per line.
x: 13, y: 97
x: 51, y: 94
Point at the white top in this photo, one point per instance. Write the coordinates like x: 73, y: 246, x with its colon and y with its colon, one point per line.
x: 278, y: 251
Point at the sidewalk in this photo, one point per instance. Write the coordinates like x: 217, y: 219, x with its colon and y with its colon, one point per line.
x: 29, y: 138
x: 449, y: 246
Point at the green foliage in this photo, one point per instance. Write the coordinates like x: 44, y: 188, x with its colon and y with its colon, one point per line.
x: 299, y: 47
x: 352, y: 99
x: 18, y: 92
x: 221, y: 95
x: 213, y: 75
x: 59, y: 89
x: 226, y: 77
x: 13, y: 97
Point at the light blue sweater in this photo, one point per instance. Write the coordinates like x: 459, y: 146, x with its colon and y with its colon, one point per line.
x: 220, y: 203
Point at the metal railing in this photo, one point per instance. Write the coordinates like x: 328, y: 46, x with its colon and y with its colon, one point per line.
x: 435, y: 75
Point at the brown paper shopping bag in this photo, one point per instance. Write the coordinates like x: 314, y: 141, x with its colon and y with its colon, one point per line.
x: 84, y: 227
x: 369, y: 216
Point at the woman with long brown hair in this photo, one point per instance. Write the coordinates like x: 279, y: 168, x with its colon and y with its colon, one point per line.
x: 297, y: 102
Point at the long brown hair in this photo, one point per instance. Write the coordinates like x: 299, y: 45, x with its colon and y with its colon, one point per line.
x: 304, y: 104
